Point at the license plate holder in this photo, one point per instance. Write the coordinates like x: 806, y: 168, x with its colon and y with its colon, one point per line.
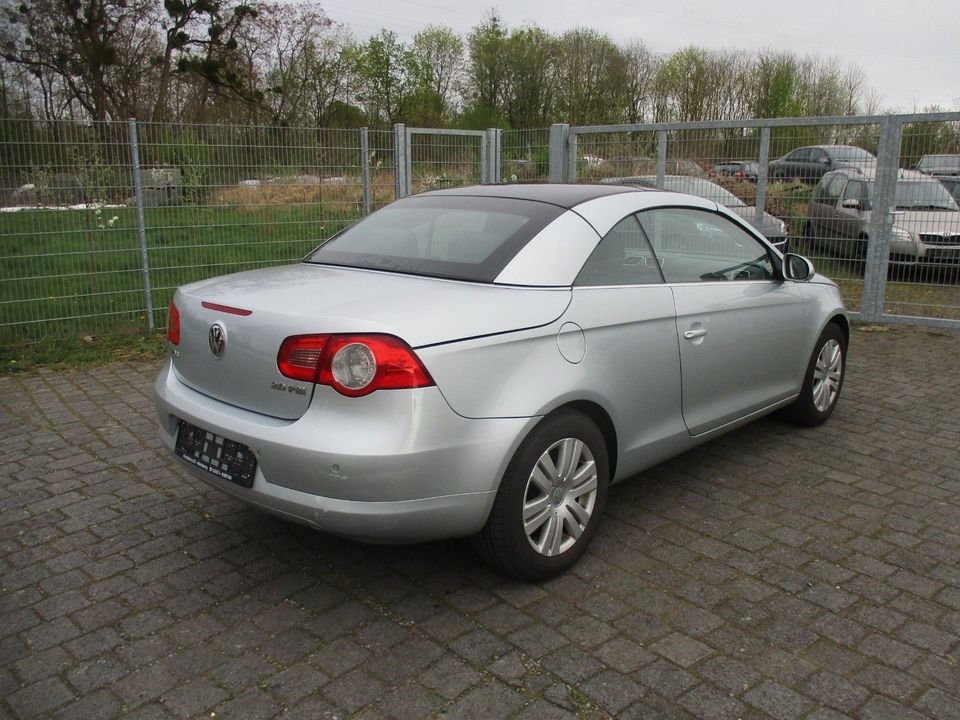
x: 221, y: 457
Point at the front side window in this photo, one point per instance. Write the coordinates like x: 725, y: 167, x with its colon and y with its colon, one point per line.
x: 830, y: 188
x: 700, y: 246
x: 622, y: 257
x: 854, y: 191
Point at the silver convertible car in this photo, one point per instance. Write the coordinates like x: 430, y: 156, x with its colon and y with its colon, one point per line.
x: 485, y: 361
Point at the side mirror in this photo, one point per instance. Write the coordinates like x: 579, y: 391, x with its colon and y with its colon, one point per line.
x: 851, y: 204
x: 797, y: 267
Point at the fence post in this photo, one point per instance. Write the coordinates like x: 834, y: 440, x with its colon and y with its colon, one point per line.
x: 762, y: 176
x: 559, y: 134
x: 881, y: 220
x: 494, y: 159
x: 365, y: 168
x: 661, y: 157
x: 401, y: 185
x: 141, y: 224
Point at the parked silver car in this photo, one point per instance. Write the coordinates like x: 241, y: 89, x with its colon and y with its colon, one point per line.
x: 926, y: 226
x: 772, y: 227
x: 940, y: 165
x: 485, y: 361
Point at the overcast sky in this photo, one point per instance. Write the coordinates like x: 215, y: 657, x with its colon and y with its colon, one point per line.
x: 910, y: 50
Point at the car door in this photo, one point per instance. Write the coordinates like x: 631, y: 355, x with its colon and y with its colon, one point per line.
x: 737, y: 323
x: 632, y: 358
x: 850, y: 220
x: 824, y: 209
x: 817, y: 164
x: 797, y: 163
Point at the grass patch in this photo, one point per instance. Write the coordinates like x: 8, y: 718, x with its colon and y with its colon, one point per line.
x: 81, y: 352
x: 70, y: 273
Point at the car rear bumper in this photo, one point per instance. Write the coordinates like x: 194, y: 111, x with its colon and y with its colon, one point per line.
x: 400, y: 466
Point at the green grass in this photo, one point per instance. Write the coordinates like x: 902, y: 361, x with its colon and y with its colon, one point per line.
x: 80, y: 352
x: 65, y: 276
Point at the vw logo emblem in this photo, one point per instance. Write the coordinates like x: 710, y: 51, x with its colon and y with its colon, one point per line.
x: 217, y: 340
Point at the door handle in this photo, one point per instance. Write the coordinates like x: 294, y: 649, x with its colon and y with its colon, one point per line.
x: 694, y: 334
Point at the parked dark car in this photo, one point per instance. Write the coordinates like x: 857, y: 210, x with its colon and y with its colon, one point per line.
x: 926, y: 219
x: 808, y: 164
x: 773, y: 228
x: 744, y: 169
x: 940, y: 165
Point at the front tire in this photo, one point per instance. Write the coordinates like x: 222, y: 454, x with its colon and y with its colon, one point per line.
x: 550, y: 500
x: 823, y: 380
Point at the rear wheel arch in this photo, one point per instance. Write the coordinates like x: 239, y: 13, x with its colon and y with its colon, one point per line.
x: 601, y: 418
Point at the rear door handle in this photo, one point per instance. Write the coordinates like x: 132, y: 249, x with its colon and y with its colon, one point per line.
x: 694, y: 334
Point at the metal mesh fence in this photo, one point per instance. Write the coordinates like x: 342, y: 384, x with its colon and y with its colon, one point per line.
x: 215, y: 199
x: 814, y: 186
x: 525, y: 155
x: 69, y: 253
x: 80, y: 257
x: 441, y: 159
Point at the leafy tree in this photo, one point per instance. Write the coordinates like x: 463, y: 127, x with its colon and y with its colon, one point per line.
x: 387, y: 72
x: 438, y: 61
x: 486, y: 74
x: 532, y: 77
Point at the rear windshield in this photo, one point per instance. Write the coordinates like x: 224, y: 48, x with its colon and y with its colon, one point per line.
x: 920, y: 195
x: 940, y: 162
x: 463, y: 238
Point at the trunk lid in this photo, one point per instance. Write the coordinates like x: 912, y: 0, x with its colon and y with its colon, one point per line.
x: 306, y: 299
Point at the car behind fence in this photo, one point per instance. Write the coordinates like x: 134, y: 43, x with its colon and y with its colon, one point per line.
x: 100, y: 222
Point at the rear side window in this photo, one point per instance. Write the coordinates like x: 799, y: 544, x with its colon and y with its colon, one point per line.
x: 457, y: 237
x: 623, y: 257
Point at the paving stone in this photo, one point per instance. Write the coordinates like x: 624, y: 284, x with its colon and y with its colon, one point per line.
x: 354, y: 690
x: 777, y: 701
x: 40, y: 698
x: 194, y: 698
x: 710, y: 703
x: 833, y: 690
x: 449, y: 677
x: 683, y: 650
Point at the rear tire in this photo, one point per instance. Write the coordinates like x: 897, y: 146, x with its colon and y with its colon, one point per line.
x: 550, y: 500
x: 823, y: 380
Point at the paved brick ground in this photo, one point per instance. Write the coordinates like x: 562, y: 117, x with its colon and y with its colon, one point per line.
x: 773, y: 573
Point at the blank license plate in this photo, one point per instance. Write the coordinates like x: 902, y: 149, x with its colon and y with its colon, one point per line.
x: 218, y: 455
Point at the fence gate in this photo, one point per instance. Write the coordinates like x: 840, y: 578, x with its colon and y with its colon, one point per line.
x: 431, y: 159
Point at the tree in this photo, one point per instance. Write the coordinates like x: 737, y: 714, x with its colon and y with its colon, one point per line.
x: 74, y: 46
x: 200, y: 41
x: 531, y: 78
x: 387, y: 73
x: 438, y: 60
x: 486, y: 74
x: 593, y: 78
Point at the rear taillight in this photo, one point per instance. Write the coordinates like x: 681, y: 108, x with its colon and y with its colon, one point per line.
x: 173, y: 325
x: 299, y: 356
x: 353, y: 365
